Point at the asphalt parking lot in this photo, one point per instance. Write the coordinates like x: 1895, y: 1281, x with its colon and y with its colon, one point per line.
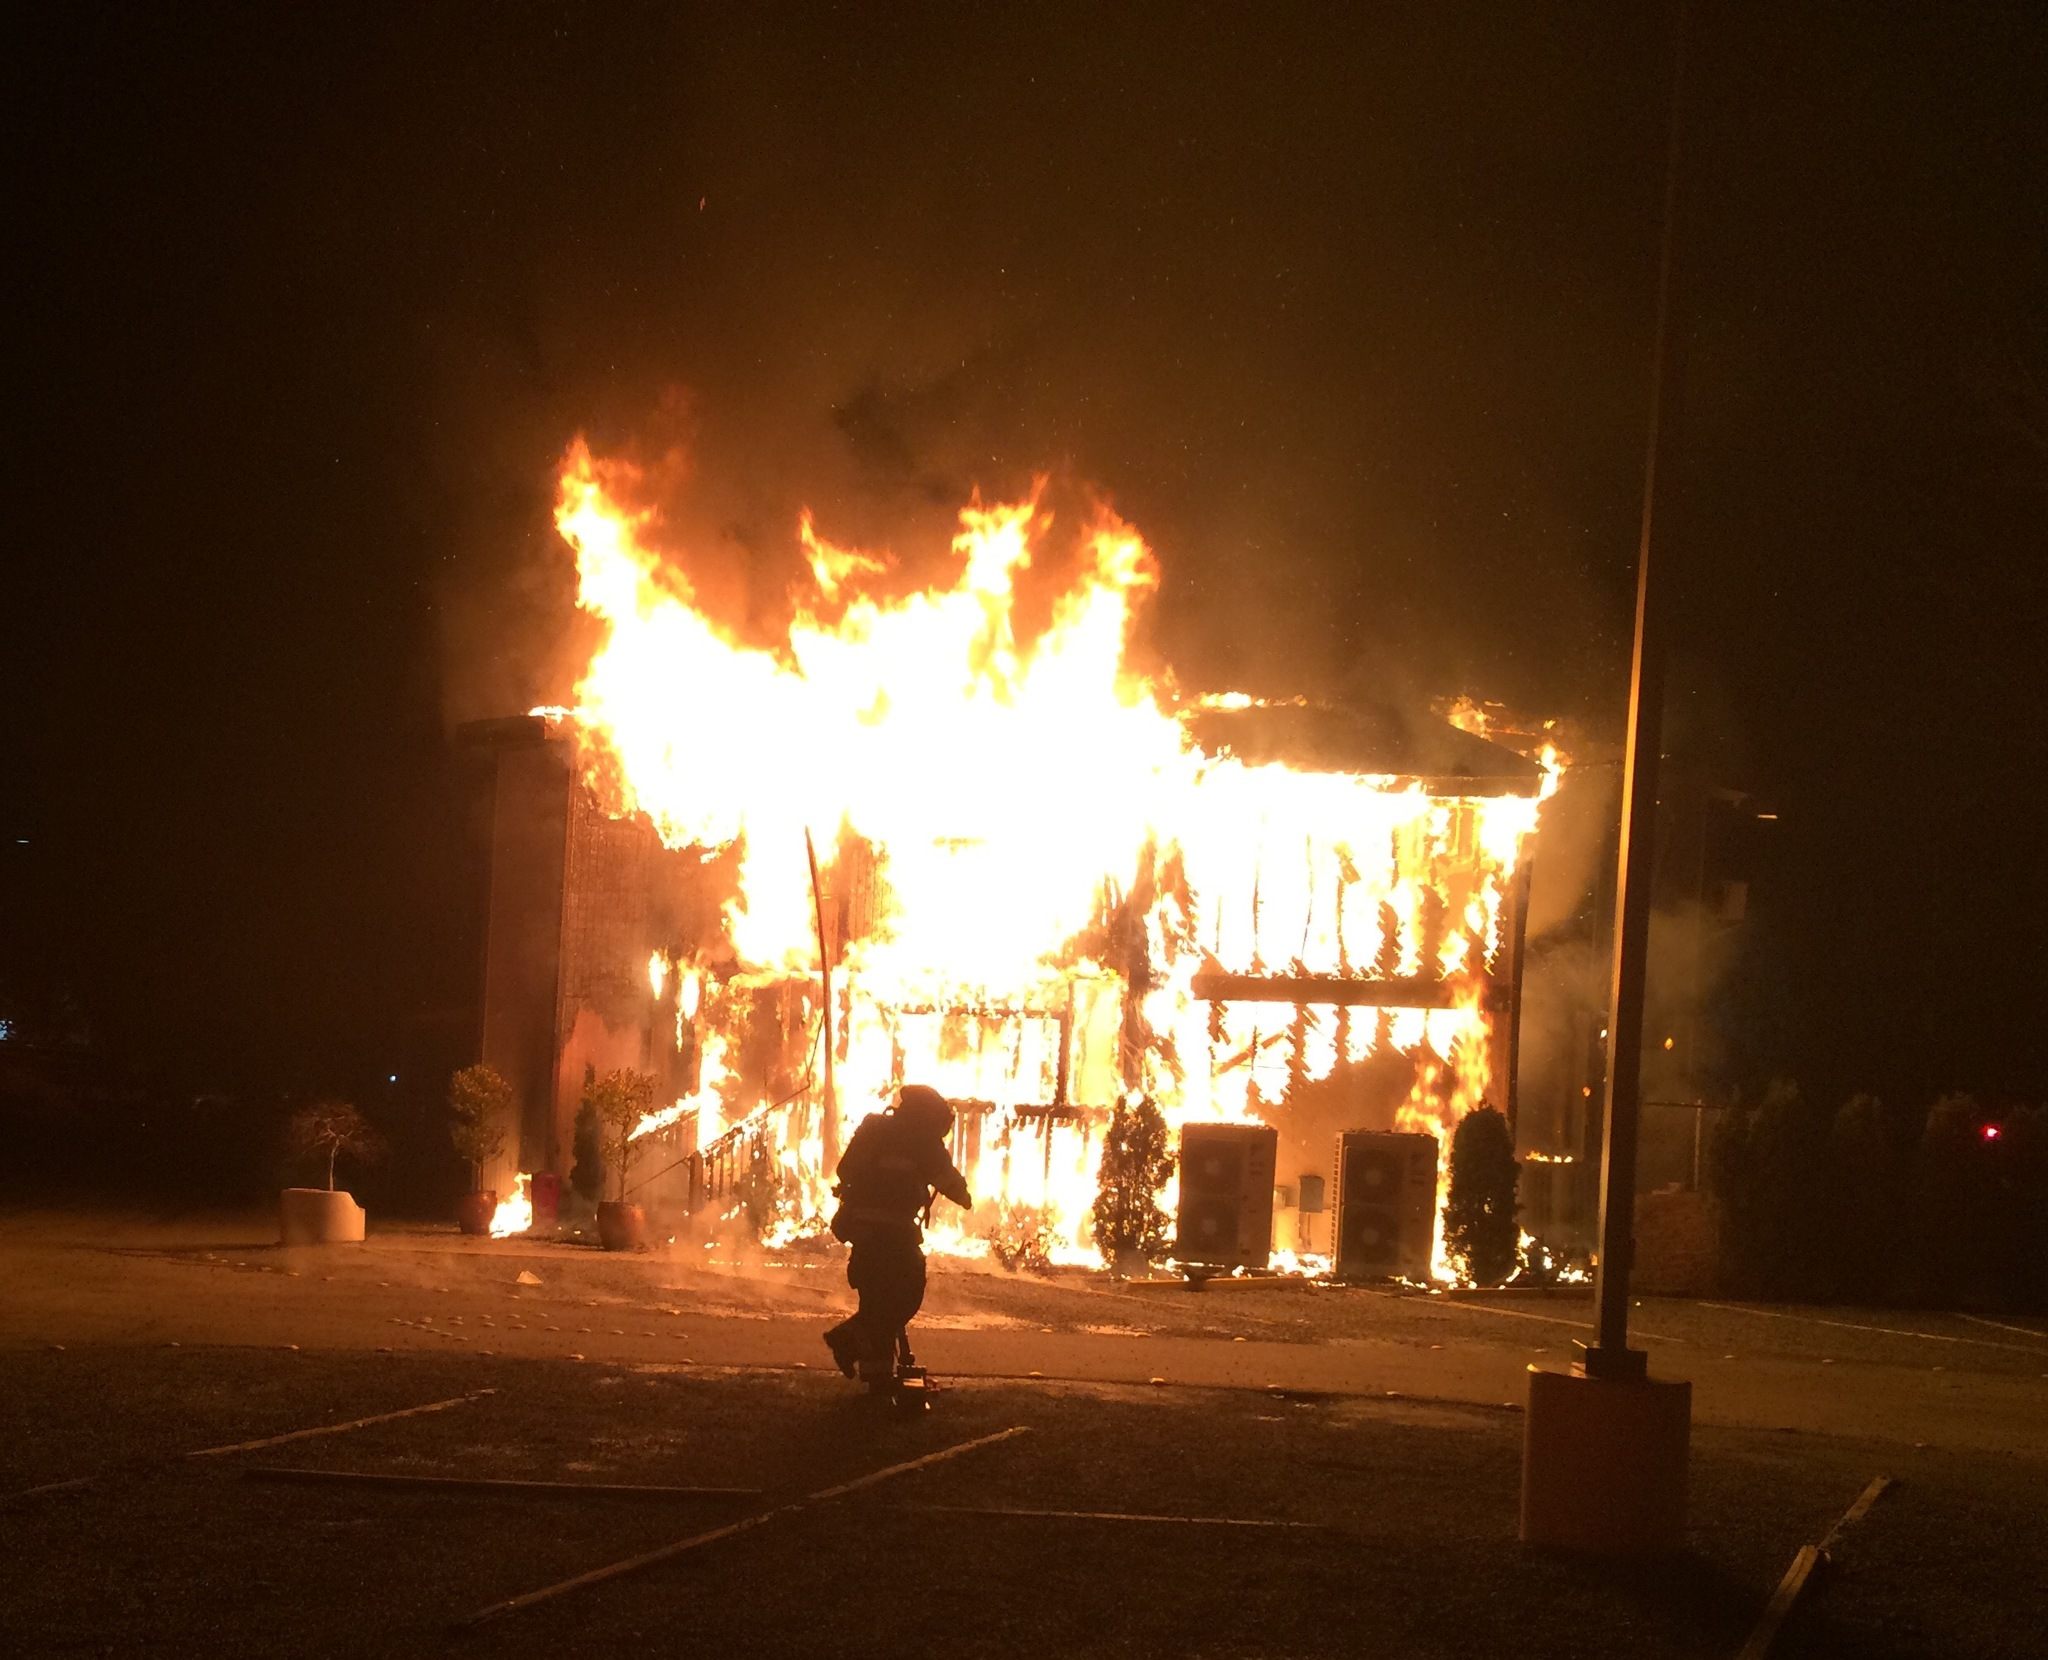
x: 1204, y: 1514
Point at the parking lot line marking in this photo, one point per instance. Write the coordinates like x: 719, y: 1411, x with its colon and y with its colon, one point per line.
x: 2000, y: 1325
x: 491, y: 1484
x: 647, y: 1559
x: 1550, y: 1319
x: 1098, y: 1516
x: 48, y: 1487
x: 1882, y: 1331
x: 339, y: 1429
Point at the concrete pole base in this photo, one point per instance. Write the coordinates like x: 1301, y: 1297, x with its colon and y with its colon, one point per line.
x: 1604, y: 1463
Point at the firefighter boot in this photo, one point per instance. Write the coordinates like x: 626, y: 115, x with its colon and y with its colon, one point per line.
x: 845, y: 1349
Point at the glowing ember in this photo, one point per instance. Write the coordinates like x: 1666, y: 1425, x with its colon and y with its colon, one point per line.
x: 1033, y: 880
x: 515, y: 1212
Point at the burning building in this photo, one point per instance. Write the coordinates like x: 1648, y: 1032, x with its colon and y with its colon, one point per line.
x: 946, y: 833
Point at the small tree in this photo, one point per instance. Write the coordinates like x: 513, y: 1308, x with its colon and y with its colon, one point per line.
x: 480, y: 1102
x: 617, y: 1101
x: 332, y: 1128
x: 1136, y: 1164
x: 1479, y: 1213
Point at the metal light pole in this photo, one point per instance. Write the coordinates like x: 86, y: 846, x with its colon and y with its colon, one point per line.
x: 1608, y: 1355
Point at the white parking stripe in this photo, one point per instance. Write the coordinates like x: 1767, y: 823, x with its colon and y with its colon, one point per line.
x: 1551, y: 1319
x: 341, y: 1429
x: 647, y: 1559
x: 1882, y: 1331
x: 2000, y: 1325
x: 1095, y: 1516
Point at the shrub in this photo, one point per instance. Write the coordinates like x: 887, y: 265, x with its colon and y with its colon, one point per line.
x: 1867, y: 1204
x: 1479, y: 1212
x: 764, y: 1194
x: 1768, y: 1175
x: 1951, y: 1214
x: 2021, y: 1160
x: 1136, y: 1164
x: 1019, y: 1239
x: 1867, y: 1175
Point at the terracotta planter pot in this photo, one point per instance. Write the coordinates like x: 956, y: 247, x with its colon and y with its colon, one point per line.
x: 620, y: 1226
x: 473, y: 1211
x: 318, y: 1216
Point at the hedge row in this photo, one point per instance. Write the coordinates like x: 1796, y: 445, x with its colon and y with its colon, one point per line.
x: 1868, y: 1203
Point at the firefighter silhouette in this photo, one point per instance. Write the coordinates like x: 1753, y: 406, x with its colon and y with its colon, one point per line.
x: 886, y: 1181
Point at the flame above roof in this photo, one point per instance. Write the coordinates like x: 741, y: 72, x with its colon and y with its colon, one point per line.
x: 1369, y: 740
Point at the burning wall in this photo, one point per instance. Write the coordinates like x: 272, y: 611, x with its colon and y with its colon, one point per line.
x: 1040, y: 879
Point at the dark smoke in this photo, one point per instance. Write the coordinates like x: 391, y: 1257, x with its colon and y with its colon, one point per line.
x: 1358, y: 424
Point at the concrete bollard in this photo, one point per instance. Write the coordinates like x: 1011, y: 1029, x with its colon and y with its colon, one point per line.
x: 1604, y: 1463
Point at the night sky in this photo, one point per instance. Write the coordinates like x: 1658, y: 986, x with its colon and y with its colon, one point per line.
x: 1351, y: 315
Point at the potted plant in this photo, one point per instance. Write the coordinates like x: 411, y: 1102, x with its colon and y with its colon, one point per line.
x: 320, y: 1215
x: 619, y: 1100
x: 480, y: 1105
